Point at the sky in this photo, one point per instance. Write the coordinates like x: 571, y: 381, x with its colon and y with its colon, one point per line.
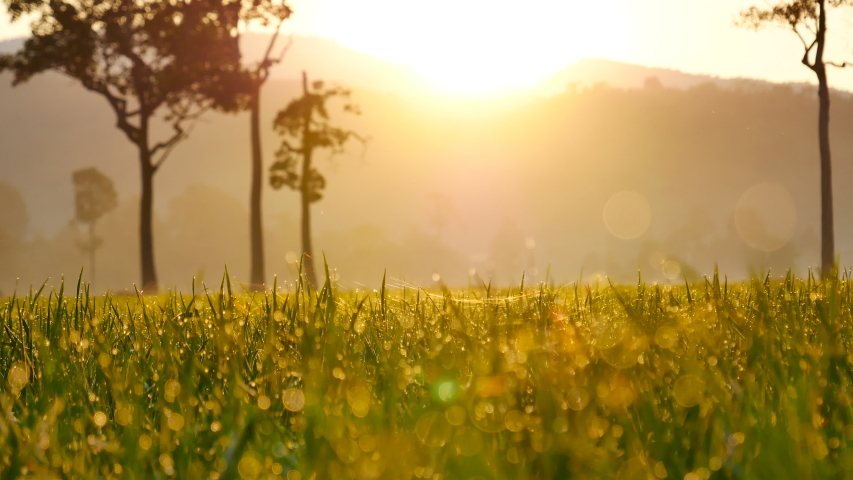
x: 477, y: 45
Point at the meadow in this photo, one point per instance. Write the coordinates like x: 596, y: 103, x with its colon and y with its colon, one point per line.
x: 703, y: 381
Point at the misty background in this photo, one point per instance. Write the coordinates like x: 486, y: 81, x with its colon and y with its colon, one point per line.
x: 602, y: 169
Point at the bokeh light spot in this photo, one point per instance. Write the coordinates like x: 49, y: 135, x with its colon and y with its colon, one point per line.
x: 433, y: 430
x: 627, y: 215
x: 293, y: 399
x: 689, y: 390
x: 766, y: 216
x: 455, y: 415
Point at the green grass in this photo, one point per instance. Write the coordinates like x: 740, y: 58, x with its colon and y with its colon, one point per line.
x: 752, y: 380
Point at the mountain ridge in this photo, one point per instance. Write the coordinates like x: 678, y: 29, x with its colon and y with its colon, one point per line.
x: 327, y: 59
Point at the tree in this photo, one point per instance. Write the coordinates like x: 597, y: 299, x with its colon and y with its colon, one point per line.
x: 148, y: 59
x: 265, y: 13
x: 14, y: 226
x: 808, y: 20
x: 306, y: 120
x: 94, y: 196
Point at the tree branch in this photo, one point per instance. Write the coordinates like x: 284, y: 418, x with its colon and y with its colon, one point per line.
x: 169, y: 145
x: 119, y: 106
x: 802, y: 39
x: 265, y: 59
x: 283, y: 51
x: 290, y: 148
x: 806, y: 60
x: 179, y: 132
x: 263, y: 70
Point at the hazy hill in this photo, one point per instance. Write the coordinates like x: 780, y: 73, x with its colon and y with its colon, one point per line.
x: 590, y: 71
x: 444, y: 186
x: 325, y: 58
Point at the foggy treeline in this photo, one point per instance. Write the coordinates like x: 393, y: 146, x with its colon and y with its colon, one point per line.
x: 446, y: 189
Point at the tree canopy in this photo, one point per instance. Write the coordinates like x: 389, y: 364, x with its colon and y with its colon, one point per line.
x: 95, y: 194
x: 139, y: 55
x: 306, y: 120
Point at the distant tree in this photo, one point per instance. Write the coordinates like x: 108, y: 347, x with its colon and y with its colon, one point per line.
x: 443, y: 212
x: 14, y: 225
x: 808, y: 20
x: 148, y: 59
x: 14, y: 220
x: 304, y: 127
x: 94, y: 196
x: 263, y: 13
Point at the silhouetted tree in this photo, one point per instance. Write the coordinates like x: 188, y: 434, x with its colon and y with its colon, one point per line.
x: 94, y: 196
x: 148, y: 59
x: 306, y: 120
x: 808, y: 20
x: 265, y: 13
x: 14, y: 225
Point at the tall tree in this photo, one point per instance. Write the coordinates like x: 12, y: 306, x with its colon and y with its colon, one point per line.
x: 808, y: 20
x: 148, y: 59
x: 94, y: 196
x: 304, y: 126
x: 14, y: 226
x: 264, y: 13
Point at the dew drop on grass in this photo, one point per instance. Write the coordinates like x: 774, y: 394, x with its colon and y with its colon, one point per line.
x: 293, y: 399
x: 578, y: 399
x: 124, y: 416
x: 736, y: 439
x: 447, y: 391
x: 175, y: 421
x: 666, y: 336
x: 367, y: 443
x: 249, y: 467
x: 660, y: 470
x: 488, y: 413
x: 514, y: 421
x: 18, y: 376
x: 455, y: 415
x: 633, y: 469
x: 100, y: 419
x: 468, y: 441
x: 433, y: 430
x: 512, y: 455
x: 358, y: 397
x: 689, y: 390
x: 360, y: 408
x: 715, y: 463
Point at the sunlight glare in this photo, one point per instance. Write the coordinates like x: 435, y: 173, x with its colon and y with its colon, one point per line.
x: 476, y: 46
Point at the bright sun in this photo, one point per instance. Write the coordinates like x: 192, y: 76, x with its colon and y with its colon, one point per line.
x: 473, y: 47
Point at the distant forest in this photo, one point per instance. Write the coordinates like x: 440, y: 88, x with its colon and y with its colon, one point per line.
x: 463, y: 189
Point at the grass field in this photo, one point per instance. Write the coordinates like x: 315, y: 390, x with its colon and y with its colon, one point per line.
x: 748, y: 380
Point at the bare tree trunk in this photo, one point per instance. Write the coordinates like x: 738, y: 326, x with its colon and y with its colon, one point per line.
x: 146, y: 237
x: 256, y: 233
x: 92, y: 243
x: 307, y: 149
x: 827, y: 250
x: 308, y: 261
